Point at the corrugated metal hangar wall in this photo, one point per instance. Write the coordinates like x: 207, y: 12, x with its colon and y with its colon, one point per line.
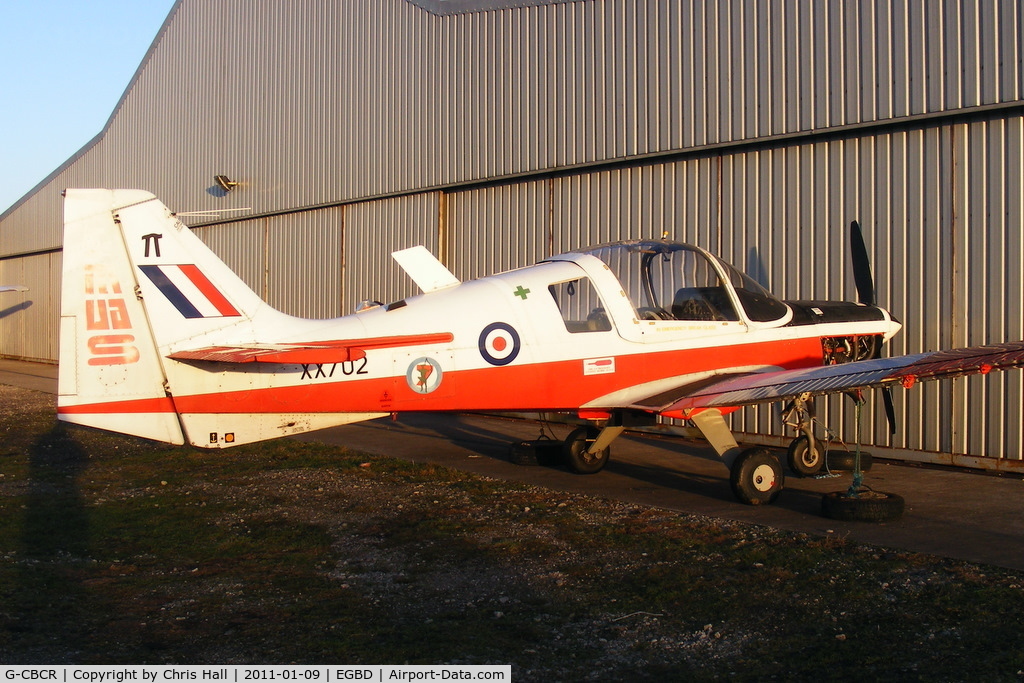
x: 496, y: 133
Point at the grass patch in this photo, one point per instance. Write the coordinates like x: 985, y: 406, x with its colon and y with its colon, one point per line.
x: 118, y: 550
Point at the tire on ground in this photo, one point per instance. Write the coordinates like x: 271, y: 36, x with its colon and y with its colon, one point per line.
x: 843, y: 460
x: 868, y: 506
x: 576, y: 456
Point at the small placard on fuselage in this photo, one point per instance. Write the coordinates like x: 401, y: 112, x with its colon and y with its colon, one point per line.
x: 598, y: 366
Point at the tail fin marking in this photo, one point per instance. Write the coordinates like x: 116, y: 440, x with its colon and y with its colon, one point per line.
x: 107, y: 350
x: 189, y: 291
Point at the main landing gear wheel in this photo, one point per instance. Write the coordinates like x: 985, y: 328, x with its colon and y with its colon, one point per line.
x: 756, y: 477
x: 804, y: 460
x: 576, y: 455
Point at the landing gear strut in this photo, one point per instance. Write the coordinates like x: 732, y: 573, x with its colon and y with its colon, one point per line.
x: 755, y: 474
x: 806, y: 455
x: 588, y: 448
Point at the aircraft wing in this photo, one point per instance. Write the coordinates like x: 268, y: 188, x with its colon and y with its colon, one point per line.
x: 767, y: 387
x: 337, y: 351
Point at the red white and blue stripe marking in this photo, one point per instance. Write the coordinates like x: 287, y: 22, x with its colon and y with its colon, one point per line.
x: 190, y: 291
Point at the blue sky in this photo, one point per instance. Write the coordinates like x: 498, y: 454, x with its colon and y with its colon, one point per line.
x: 64, y: 64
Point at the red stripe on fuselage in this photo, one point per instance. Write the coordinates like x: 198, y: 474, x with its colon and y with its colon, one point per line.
x: 563, y: 386
x: 559, y: 385
x: 130, y: 406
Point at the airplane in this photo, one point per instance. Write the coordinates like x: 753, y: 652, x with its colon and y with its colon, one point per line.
x: 160, y: 339
x: 13, y: 288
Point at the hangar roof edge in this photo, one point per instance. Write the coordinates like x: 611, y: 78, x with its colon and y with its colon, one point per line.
x: 445, y: 8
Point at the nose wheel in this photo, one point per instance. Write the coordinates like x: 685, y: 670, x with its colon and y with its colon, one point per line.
x: 805, y: 458
x: 806, y: 454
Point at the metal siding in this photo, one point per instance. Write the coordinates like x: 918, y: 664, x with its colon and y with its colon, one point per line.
x: 498, y: 229
x: 635, y: 202
x: 678, y: 200
x: 993, y: 305
x: 38, y: 224
x: 243, y: 247
x: 373, y: 230
x: 1012, y: 214
x: 304, y: 253
x: 1009, y: 40
x: 29, y: 320
x: 899, y: 186
x: 311, y: 103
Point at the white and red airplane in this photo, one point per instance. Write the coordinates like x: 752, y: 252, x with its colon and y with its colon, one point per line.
x: 13, y: 288
x: 160, y: 339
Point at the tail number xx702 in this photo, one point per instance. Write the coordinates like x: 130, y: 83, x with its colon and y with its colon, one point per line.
x: 327, y: 370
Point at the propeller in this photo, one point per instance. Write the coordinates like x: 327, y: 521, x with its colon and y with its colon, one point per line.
x: 861, y: 266
x: 866, y: 295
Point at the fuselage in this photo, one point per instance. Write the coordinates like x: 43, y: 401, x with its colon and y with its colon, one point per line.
x: 566, y: 334
x: 159, y: 338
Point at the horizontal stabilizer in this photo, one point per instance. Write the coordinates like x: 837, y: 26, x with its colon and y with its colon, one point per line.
x: 270, y: 354
x: 303, y: 353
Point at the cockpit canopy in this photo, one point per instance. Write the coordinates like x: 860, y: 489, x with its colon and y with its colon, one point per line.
x: 674, y: 281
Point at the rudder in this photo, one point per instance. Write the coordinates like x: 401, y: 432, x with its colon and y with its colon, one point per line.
x: 109, y: 375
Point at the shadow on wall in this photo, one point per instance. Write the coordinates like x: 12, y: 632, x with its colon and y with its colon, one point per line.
x: 756, y: 269
x: 11, y: 310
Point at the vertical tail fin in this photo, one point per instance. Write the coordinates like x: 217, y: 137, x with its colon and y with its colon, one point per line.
x: 139, y: 287
x: 111, y: 372
x: 188, y: 290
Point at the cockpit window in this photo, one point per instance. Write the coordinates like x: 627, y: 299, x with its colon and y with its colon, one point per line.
x: 580, y: 306
x: 759, y: 304
x: 673, y: 281
x: 667, y: 281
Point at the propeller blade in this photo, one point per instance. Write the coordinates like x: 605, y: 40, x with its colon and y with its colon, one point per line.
x: 866, y: 295
x: 890, y: 410
x: 861, y: 266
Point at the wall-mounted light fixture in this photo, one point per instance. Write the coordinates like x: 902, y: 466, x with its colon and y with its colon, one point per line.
x: 225, y: 183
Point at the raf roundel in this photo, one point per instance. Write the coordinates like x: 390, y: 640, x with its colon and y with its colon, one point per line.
x: 499, y: 344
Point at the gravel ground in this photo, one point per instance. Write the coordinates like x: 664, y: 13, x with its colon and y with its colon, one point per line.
x: 360, y: 559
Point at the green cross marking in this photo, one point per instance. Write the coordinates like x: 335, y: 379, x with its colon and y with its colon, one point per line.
x: 520, y: 292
